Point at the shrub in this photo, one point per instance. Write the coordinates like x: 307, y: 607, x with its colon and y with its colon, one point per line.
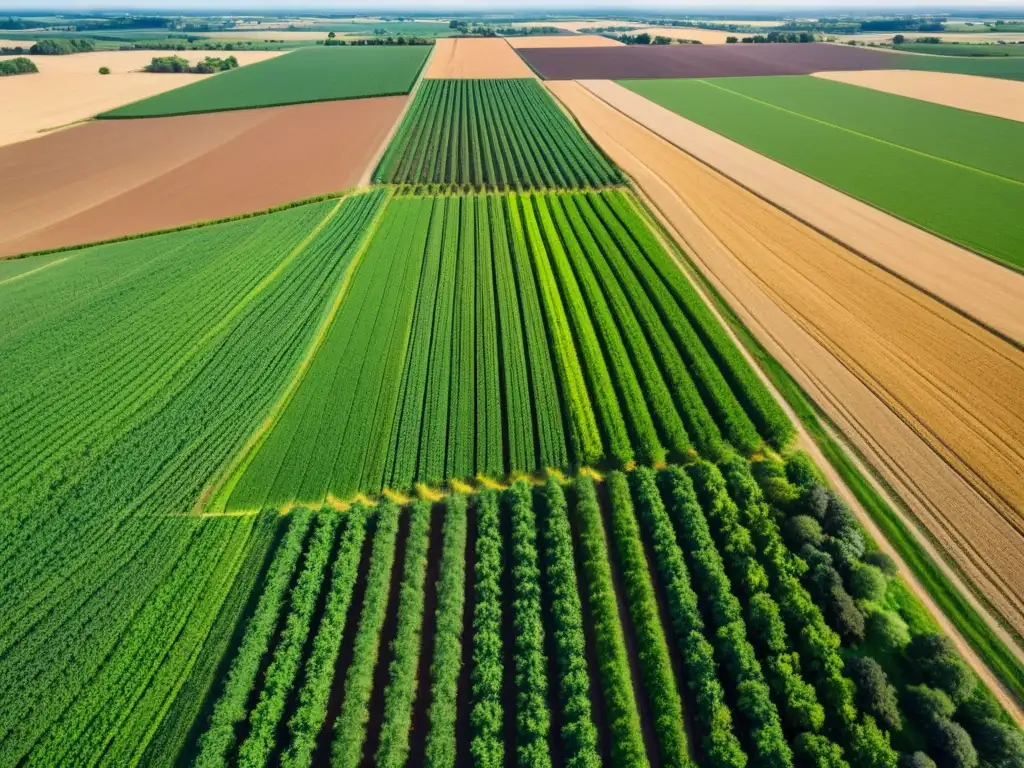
x: 814, y: 502
x: 801, y: 472
x: 935, y: 658
x: 887, y: 630
x: 846, y: 617
x: 875, y: 694
x: 104, y: 70
x: 801, y: 530
x: 916, y: 760
x: 927, y: 705
x: 868, y: 583
x: 17, y: 66
x: 1000, y: 745
x: 882, y: 562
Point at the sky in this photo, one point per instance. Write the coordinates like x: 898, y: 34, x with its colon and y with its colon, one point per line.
x: 342, y: 6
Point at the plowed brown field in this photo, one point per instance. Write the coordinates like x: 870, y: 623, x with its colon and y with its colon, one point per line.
x: 112, y: 178
x: 932, y: 399
x: 987, y: 95
x: 986, y: 291
x: 475, y: 57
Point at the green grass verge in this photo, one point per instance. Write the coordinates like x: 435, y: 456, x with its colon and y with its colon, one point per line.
x: 992, y: 651
x: 957, y: 174
x: 303, y: 76
x: 963, y: 49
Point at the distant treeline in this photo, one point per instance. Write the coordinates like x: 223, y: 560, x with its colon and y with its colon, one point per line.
x: 776, y: 37
x: 18, y: 66
x: 400, y: 40
x: 207, y: 66
x: 644, y: 38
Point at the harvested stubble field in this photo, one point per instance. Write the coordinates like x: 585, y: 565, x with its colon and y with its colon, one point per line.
x: 69, y: 89
x: 704, y: 36
x: 657, y: 61
x: 104, y: 180
x: 986, y: 95
x: 953, y: 173
x: 981, y: 288
x: 943, y: 426
x: 306, y: 75
x: 562, y: 41
x: 475, y: 57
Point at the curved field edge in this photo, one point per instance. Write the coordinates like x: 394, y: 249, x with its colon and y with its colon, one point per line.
x: 219, y: 491
x: 971, y: 625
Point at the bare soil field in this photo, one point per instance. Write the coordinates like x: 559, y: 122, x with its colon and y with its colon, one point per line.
x: 68, y: 89
x: 475, y: 57
x: 562, y: 41
x: 705, y: 36
x: 105, y: 179
x: 932, y: 399
x: 987, y: 95
x: 983, y: 289
x: 637, y: 61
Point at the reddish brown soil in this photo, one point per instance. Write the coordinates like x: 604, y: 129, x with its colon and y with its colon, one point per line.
x: 118, y: 177
x: 613, y: 63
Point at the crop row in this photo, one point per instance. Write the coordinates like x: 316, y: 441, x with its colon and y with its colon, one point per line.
x: 646, y: 617
x: 496, y: 334
x: 497, y: 134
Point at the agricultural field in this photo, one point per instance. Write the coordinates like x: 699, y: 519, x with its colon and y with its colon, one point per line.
x: 488, y: 423
x: 491, y: 133
x: 102, y: 180
x: 914, y: 160
x: 306, y: 75
x: 965, y: 48
x: 454, y: 357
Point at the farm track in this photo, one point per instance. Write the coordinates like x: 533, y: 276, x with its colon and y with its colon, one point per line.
x: 912, y: 418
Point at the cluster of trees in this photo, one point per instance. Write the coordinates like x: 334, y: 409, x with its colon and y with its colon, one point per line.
x: 487, y: 715
x: 17, y: 66
x: 400, y: 40
x: 207, y: 66
x: 903, y: 24
x: 61, y: 47
x: 775, y: 37
x: 643, y: 38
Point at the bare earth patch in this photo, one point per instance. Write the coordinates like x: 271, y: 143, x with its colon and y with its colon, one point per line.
x: 987, y: 95
x: 68, y: 89
x: 562, y: 41
x: 475, y: 57
x: 931, y: 398
x: 986, y: 291
x: 106, y: 179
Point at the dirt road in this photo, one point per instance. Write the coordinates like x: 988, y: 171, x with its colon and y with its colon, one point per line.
x: 932, y: 399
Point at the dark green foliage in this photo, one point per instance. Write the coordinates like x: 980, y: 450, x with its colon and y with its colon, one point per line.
x: 1000, y: 745
x: 952, y: 746
x: 17, y: 66
x: 927, y: 705
x: 813, y: 501
x: 882, y: 562
x: 887, y: 630
x: 935, y: 660
x: 801, y: 530
x: 916, y: 760
x: 613, y: 664
x: 578, y: 732
x: 800, y: 470
x: 447, y: 661
x: 532, y: 716
x: 868, y: 583
x: 486, y: 716
x: 61, y: 46
x: 875, y: 694
x: 652, y: 648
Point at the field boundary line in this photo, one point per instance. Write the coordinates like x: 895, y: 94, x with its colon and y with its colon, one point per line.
x: 1005, y: 696
x: 1002, y: 335
x: 213, y: 501
x: 53, y: 263
x: 867, y: 136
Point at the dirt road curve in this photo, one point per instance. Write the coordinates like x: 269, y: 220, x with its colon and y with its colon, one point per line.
x: 987, y: 95
x: 982, y: 289
x: 105, y: 179
x: 932, y: 400
x: 475, y: 57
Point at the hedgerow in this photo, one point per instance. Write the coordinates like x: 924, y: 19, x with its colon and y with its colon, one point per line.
x: 487, y: 715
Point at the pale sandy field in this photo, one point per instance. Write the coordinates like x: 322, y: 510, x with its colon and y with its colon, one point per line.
x: 987, y: 95
x: 705, y: 36
x: 562, y: 41
x: 475, y: 57
x: 69, y: 88
x: 26, y: 44
x: 265, y: 33
x: 576, y: 26
x: 933, y: 400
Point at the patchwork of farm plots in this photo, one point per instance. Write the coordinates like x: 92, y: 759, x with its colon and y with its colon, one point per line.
x: 310, y: 74
x: 950, y: 172
x: 492, y: 133
x: 492, y: 335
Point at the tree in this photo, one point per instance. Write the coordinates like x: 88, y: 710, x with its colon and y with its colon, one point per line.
x: 331, y: 35
x: 868, y: 583
x: 869, y: 746
x: 731, y: 39
x: 887, y: 630
x: 816, y: 751
x: 927, y: 705
x: 935, y: 658
x: 882, y: 562
x: 898, y: 39
x: 814, y: 502
x: 800, y: 470
x: 917, y: 760
x: 104, y: 70
x: 875, y: 695
x: 1000, y: 745
x: 846, y: 617
x: 801, y: 530
x: 952, y: 746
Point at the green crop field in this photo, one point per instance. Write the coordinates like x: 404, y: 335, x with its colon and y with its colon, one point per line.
x: 307, y: 75
x: 1007, y: 68
x: 457, y: 470
x: 962, y: 49
x: 952, y: 172
x: 492, y: 133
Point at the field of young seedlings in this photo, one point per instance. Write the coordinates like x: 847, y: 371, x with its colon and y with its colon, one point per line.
x: 498, y: 134
x: 456, y: 470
